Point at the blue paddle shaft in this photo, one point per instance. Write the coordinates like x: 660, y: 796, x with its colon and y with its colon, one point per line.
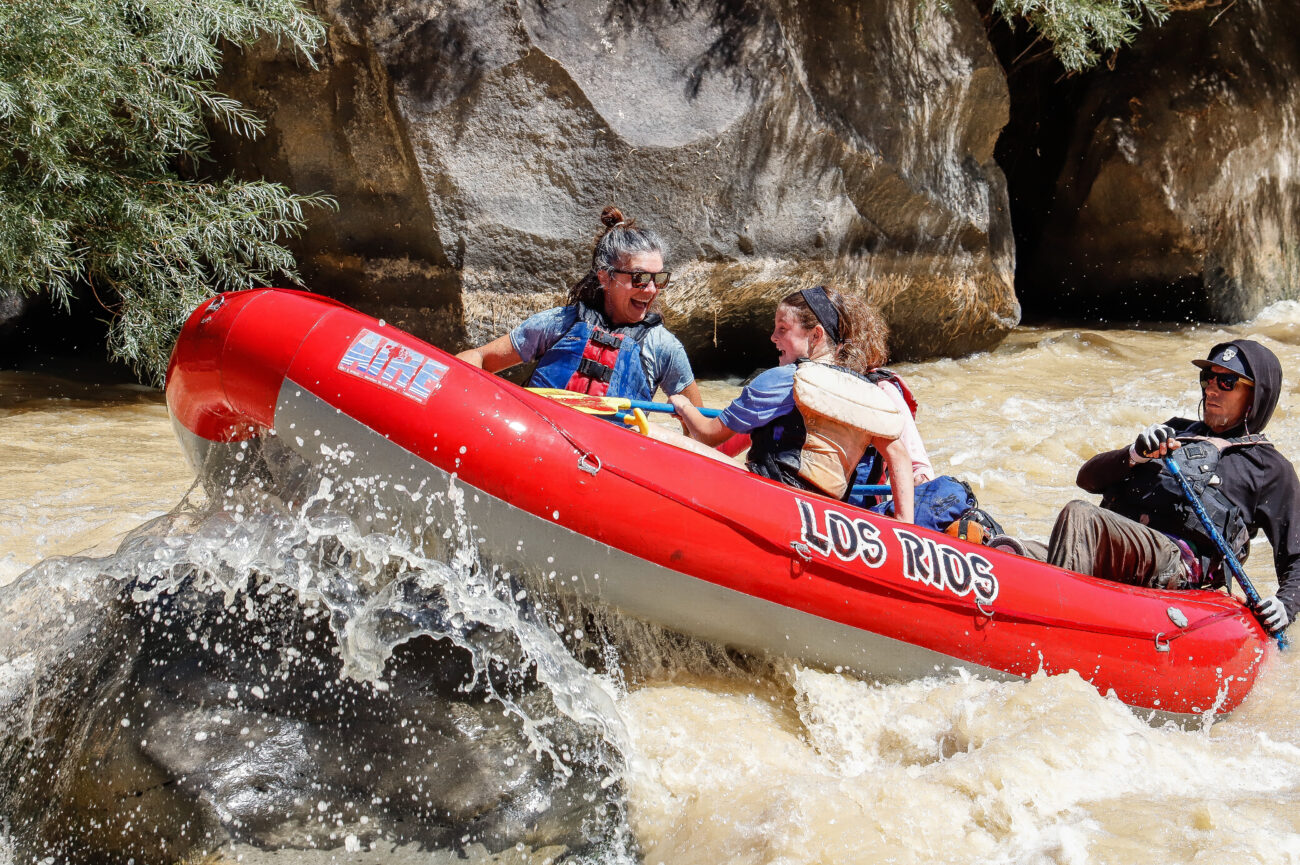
x: 645, y: 405
x: 1252, y: 596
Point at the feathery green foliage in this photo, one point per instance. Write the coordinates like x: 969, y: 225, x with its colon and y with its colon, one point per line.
x: 1079, y: 30
x: 101, y: 102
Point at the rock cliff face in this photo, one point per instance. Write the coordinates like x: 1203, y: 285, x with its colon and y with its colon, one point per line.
x: 1175, y: 191
x: 774, y: 145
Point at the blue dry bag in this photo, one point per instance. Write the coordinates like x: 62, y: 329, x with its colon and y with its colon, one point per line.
x: 937, y: 503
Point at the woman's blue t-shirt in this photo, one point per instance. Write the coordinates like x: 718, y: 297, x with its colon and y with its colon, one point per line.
x: 769, y: 396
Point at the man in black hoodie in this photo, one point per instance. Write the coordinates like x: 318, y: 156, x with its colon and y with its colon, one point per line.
x: 1145, y: 532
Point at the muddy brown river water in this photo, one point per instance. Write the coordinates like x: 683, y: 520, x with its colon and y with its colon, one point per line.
x: 811, y: 767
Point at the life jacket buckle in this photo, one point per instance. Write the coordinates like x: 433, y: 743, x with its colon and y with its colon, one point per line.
x: 605, y: 339
x: 588, y: 368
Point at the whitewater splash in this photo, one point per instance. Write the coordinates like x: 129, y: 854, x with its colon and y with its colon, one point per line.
x: 273, y: 673
x: 951, y: 769
x: 379, y: 593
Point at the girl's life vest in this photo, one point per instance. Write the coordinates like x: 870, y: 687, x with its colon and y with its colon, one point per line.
x: 837, y: 413
x: 596, y: 358
x: 1151, y: 495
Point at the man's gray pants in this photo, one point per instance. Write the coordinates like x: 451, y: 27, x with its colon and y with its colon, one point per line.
x: 1090, y: 540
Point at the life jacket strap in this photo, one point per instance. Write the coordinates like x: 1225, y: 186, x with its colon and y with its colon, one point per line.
x: 880, y: 374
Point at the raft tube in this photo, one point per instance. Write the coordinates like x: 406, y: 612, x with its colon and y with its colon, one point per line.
x: 672, y: 537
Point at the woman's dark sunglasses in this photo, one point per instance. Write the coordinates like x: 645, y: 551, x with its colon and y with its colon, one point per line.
x: 1225, y: 380
x: 642, y: 278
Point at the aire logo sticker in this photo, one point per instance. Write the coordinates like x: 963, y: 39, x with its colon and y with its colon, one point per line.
x: 924, y: 560
x: 387, y: 363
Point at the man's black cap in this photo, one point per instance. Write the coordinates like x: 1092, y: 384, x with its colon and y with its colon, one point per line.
x: 1227, y: 356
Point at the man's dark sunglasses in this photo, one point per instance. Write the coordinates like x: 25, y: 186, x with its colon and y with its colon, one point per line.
x: 642, y: 278
x: 1225, y: 380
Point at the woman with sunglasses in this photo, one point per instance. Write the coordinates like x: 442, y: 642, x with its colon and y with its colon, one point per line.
x: 605, y: 341
x: 1145, y: 531
x: 796, y: 437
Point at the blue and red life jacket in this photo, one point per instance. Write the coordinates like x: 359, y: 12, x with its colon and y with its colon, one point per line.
x: 597, y: 358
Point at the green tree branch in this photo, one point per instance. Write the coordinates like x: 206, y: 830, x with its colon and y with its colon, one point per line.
x: 100, y: 101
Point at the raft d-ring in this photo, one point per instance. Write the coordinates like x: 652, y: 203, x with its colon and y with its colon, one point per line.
x: 987, y: 612
x: 589, y: 463
x: 1161, y: 646
x: 802, y: 549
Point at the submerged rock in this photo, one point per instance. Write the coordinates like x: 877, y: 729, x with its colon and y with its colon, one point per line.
x: 775, y: 146
x: 162, y: 703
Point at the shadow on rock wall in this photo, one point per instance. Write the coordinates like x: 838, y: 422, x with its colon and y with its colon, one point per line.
x: 1162, y: 186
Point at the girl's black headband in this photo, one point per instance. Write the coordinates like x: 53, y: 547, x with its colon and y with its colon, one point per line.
x: 820, y: 304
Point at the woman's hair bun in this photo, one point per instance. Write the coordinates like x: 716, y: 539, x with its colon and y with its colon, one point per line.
x: 612, y: 216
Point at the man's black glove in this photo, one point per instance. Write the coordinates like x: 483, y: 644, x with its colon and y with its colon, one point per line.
x: 1149, y: 441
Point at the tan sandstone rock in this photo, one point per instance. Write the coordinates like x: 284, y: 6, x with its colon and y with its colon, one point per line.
x: 471, y: 147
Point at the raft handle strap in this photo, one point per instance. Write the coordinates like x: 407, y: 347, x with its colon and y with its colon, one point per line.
x: 216, y: 304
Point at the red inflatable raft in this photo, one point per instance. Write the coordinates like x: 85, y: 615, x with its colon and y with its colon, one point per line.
x: 668, y: 535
